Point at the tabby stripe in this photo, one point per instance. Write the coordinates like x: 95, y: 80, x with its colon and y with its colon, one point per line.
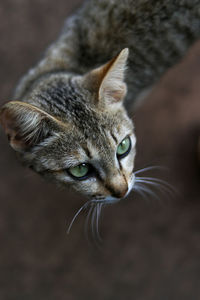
x: 114, y: 138
x: 87, y: 151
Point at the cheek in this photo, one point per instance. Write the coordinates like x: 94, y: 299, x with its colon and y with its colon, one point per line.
x: 89, y: 188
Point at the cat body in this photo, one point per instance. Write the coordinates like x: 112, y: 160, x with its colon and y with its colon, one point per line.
x: 68, y: 121
x: 158, y: 33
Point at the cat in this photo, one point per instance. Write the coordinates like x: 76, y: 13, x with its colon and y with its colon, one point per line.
x: 69, y: 119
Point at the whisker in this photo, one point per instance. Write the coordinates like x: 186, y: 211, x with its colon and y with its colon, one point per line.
x: 160, y: 187
x: 76, y: 215
x: 147, y: 190
x: 163, y: 183
x: 94, y: 216
x: 99, y: 207
x: 139, y: 191
x: 93, y: 222
x: 87, y: 221
x: 149, y: 168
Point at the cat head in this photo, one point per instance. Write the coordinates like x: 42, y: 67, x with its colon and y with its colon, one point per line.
x: 75, y: 131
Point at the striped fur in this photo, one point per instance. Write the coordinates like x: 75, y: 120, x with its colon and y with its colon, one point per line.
x: 72, y: 103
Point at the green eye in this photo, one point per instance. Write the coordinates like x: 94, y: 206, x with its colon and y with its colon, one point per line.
x: 79, y: 171
x: 124, y: 148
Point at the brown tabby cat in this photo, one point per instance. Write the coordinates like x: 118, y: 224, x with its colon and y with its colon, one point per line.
x: 68, y: 122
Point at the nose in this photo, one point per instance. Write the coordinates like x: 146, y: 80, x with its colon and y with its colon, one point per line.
x: 118, y: 191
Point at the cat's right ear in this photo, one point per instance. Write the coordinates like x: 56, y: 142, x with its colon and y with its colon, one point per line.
x: 107, y: 81
x: 25, y: 125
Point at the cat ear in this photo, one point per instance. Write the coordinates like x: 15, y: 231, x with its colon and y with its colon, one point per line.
x: 108, y: 80
x: 25, y: 125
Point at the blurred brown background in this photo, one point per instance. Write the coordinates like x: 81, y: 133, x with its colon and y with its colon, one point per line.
x: 151, y: 248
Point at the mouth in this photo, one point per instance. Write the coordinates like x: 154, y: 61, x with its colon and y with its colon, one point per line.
x: 106, y: 200
x: 111, y: 199
x: 95, y: 205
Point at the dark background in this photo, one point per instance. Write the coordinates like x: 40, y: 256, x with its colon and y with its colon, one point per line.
x: 151, y: 248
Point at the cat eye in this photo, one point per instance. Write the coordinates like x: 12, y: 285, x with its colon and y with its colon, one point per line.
x: 80, y: 171
x: 124, y: 148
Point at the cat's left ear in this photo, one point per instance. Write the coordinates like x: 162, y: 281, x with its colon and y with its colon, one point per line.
x: 107, y: 81
x: 26, y: 125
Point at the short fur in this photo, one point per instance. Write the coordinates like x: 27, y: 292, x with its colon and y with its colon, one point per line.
x: 69, y: 109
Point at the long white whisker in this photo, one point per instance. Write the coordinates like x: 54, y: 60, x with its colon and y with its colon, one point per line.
x: 93, y: 219
x: 99, y: 207
x: 147, y: 190
x: 157, y: 185
x: 87, y: 221
x: 139, y: 191
x: 149, y: 168
x: 76, y: 215
x: 157, y: 180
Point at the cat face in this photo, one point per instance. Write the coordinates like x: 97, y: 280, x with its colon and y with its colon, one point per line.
x: 99, y: 165
x: 75, y: 131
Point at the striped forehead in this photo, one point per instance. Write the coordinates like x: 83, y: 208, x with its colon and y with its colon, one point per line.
x: 66, y: 101
x: 95, y: 132
x: 63, y: 99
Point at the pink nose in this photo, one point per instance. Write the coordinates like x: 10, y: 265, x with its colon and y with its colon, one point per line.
x: 120, y: 193
x: 117, y: 192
